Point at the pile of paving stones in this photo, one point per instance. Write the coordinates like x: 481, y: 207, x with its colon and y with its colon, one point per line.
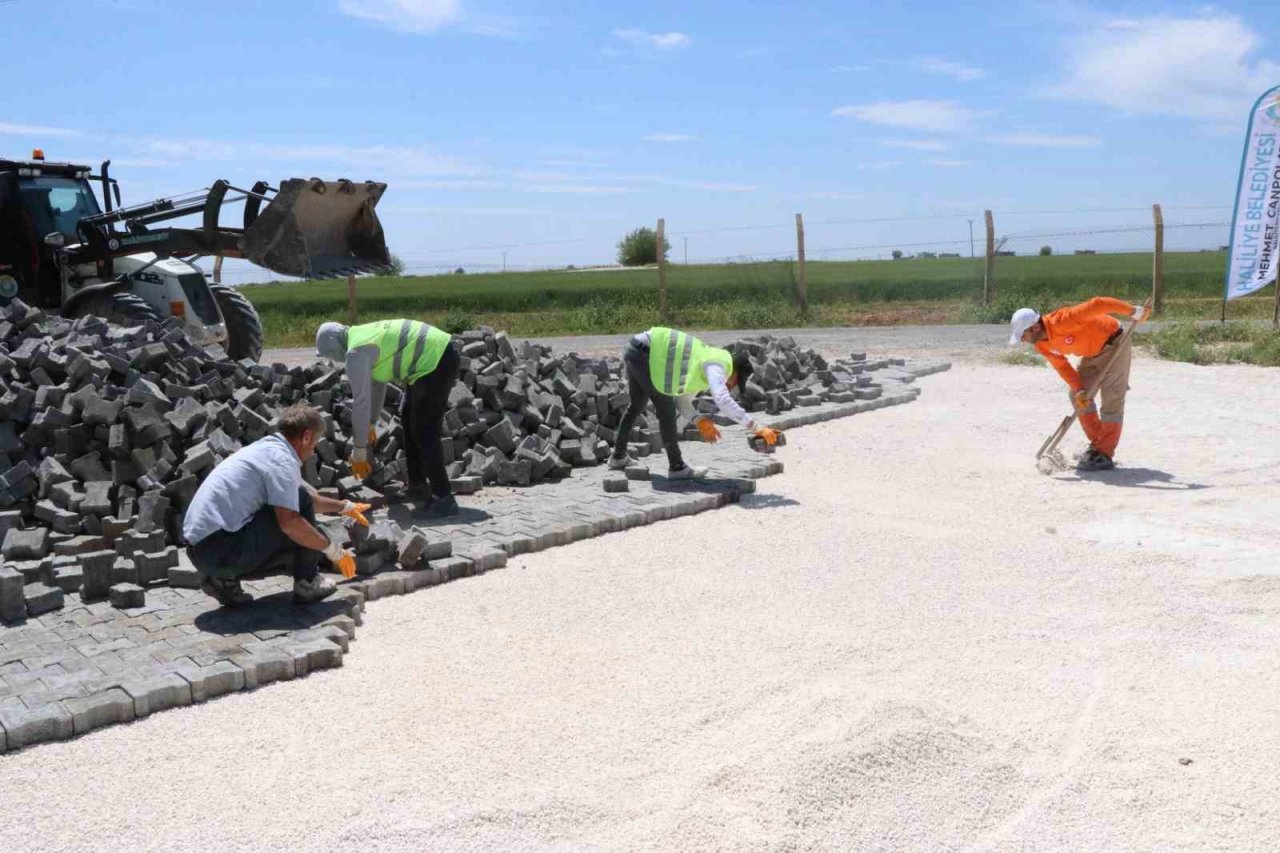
x: 106, y: 432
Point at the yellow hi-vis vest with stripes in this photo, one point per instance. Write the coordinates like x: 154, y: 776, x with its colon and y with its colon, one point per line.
x: 407, y: 350
x: 676, y: 360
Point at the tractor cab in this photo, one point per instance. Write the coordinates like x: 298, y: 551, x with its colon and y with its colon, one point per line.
x: 41, y: 205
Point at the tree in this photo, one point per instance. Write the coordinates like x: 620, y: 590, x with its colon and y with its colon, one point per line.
x: 396, y: 266
x: 640, y: 247
x: 897, y: 254
x: 1046, y: 250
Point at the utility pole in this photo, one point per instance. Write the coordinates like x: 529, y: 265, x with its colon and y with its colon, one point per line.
x: 686, y: 251
x: 971, y: 238
x: 504, y: 261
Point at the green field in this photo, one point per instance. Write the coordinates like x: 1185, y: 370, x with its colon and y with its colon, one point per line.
x: 750, y: 295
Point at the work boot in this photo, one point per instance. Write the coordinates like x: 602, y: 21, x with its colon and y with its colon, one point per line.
x: 686, y: 473
x: 228, y: 591
x: 310, y: 591
x: 1096, y: 461
x: 444, y: 506
x: 618, y: 463
x: 415, y: 494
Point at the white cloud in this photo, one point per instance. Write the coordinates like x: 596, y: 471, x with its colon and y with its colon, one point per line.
x: 919, y: 144
x: 410, y: 16
x: 948, y: 164
x: 1046, y: 140
x: 1201, y: 67
x: 668, y: 137
x: 35, y: 130
x: 957, y: 70
x: 659, y: 41
x: 880, y: 164
x: 922, y: 115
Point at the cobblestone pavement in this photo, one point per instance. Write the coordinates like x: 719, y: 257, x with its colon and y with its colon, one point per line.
x: 91, y: 665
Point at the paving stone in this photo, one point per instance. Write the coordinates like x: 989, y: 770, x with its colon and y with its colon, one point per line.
x: 26, y: 544
x: 125, y: 595
x: 13, y: 603
x: 617, y: 482
x: 185, y: 577
x: 41, y: 598
x: 157, y: 692
x: 26, y: 726
x: 99, y: 709
x: 208, y: 682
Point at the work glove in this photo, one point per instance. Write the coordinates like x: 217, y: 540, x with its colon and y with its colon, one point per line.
x: 373, y: 436
x: 359, y: 462
x: 1080, y: 399
x: 769, y: 435
x: 1139, y: 312
x: 356, y: 511
x: 343, y: 560
x: 708, y: 429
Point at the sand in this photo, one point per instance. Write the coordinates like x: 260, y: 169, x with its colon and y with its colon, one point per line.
x: 910, y: 641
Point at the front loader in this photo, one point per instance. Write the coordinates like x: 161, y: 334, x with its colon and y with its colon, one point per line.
x: 63, y: 251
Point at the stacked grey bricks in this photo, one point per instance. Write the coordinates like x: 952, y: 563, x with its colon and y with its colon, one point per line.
x: 106, y: 433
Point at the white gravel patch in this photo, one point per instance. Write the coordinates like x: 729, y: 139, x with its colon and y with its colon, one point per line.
x: 910, y: 641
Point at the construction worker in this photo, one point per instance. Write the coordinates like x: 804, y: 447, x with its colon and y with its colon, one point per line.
x: 425, y: 360
x: 668, y: 368
x: 255, y: 509
x: 1087, y: 330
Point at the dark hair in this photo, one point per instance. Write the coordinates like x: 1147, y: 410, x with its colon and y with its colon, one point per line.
x: 296, y: 420
x: 742, y: 367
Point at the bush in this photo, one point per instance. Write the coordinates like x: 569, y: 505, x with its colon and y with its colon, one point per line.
x: 1046, y: 251
x: 456, y: 321
x: 897, y: 254
x: 640, y: 247
x: 397, y: 267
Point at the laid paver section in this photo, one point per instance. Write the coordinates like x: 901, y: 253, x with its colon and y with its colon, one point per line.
x: 91, y: 664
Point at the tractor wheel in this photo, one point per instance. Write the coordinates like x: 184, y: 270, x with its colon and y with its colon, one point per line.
x: 244, y: 327
x: 121, y: 308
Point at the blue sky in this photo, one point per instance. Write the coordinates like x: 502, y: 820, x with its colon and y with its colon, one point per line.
x: 548, y: 129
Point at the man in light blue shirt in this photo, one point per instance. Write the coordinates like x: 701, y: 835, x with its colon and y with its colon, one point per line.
x: 255, y: 509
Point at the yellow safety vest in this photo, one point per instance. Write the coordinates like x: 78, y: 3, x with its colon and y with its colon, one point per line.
x: 676, y: 361
x: 407, y: 349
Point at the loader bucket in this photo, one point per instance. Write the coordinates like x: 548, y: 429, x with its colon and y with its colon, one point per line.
x: 319, y: 229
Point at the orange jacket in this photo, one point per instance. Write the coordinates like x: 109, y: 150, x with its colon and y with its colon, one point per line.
x: 1080, y: 330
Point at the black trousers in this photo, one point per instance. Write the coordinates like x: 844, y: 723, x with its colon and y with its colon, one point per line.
x: 642, y: 390
x: 257, y: 545
x: 422, y: 414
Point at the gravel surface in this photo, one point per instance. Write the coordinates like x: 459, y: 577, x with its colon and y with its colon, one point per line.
x: 909, y: 641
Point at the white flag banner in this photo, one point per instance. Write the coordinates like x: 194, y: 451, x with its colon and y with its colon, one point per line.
x: 1255, y: 225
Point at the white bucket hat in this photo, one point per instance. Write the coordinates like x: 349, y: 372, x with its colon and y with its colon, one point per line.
x: 1023, y: 319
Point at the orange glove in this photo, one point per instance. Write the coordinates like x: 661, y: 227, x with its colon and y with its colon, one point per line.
x: 359, y: 463
x: 707, y: 427
x: 343, y: 560
x: 769, y: 435
x: 356, y: 511
x: 347, y: 565
x: 373, y: 437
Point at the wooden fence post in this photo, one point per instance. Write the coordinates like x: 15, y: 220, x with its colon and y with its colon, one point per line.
x: 988, y: 278
x: 804, y: 279
x: 662, y: 271
x: 351, y: 300
x: 1157, y: 262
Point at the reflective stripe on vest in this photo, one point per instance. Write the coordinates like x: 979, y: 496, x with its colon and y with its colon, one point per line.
x: 407, y: 349
x: 677, y: 359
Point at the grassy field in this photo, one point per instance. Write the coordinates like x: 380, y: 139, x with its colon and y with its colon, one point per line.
x: 750, y: 295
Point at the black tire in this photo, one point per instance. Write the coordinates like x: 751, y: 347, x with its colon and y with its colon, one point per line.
x: 120, y: 307
x: 244, y: 327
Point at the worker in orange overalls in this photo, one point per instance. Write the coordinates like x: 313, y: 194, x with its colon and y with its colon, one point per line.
x: 1089, y: 331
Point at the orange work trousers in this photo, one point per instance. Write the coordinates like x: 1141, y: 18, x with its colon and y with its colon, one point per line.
x: 1103, y: 429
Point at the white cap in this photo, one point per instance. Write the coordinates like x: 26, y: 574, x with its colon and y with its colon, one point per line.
x: 331, y: 341
x: 1023, y: 319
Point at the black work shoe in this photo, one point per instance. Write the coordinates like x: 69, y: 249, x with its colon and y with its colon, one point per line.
x: 1096, y: 461
x: 228, y: 591
x: 444, y: 506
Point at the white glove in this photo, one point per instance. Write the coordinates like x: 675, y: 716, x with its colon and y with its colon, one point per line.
x: 334, y: 552
x: 360, y: 454
x: 1138, y: 313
